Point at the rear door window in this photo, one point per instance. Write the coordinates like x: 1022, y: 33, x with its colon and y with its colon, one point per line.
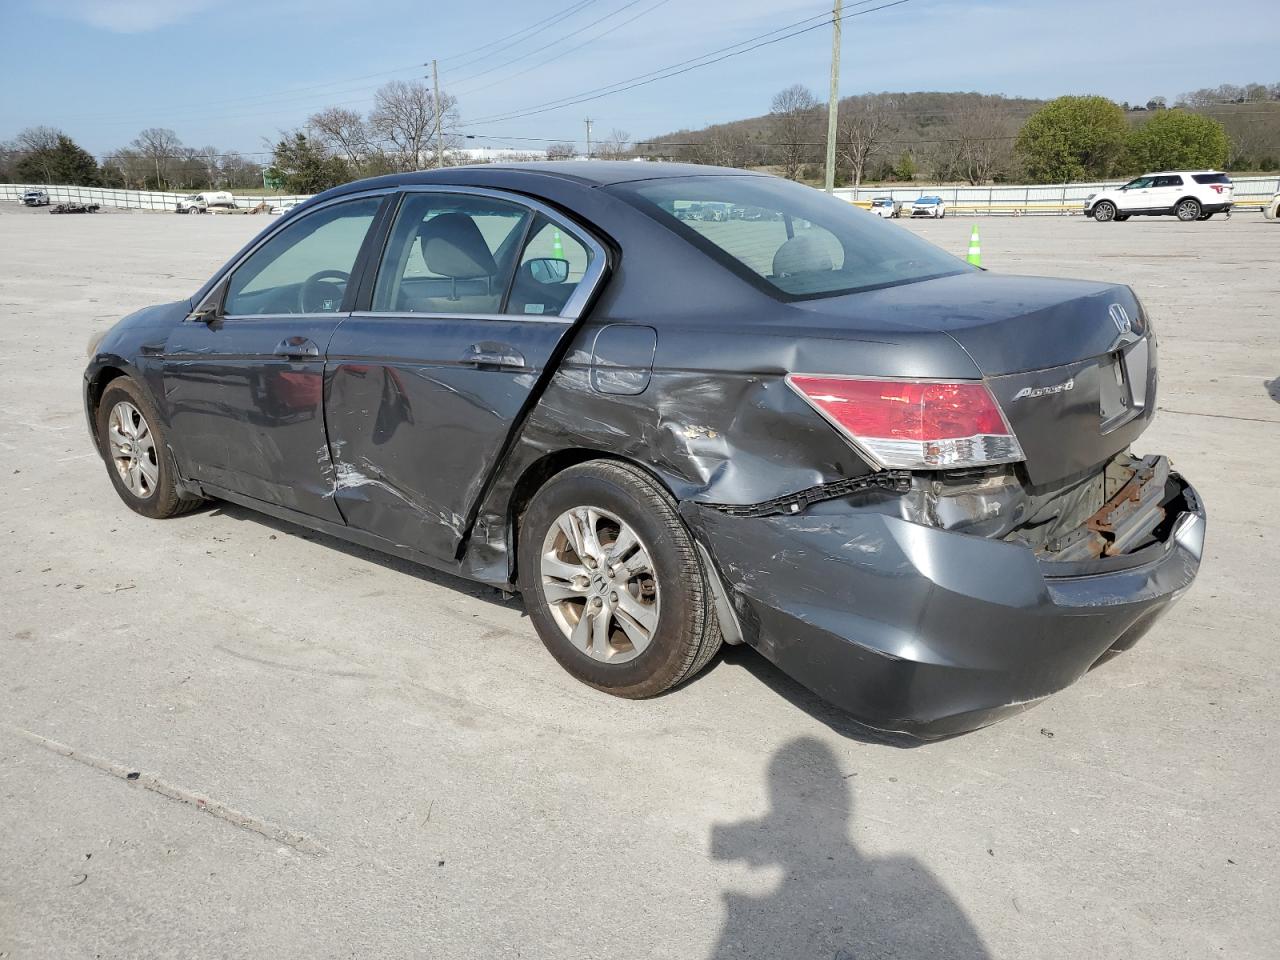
x: 450, y: 253
x: 552, y: 265
x: 1169, y: 181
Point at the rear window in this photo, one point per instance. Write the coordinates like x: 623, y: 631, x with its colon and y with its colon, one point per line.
x: 792, y: 241
x: 1210, y: 178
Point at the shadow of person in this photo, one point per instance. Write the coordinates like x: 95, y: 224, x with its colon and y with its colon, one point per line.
x: 832, y: 903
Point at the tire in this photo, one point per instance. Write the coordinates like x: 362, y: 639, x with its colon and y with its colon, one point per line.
x: 148, y: 491
x: 1188, y: 210
x: 1104, y: 211
x: 670, y: 588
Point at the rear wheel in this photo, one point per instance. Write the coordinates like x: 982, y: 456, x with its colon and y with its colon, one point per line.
x: 1188, y: 210
x: 613, y: 581
x: 1104, y: 211
x: 132, y: 444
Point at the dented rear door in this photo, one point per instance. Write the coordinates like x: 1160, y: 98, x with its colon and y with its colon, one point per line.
x: 424, y: 388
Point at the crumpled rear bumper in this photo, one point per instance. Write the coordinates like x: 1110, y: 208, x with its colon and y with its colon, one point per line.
x: 927, y: 632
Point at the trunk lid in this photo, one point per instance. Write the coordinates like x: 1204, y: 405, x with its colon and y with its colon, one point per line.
x: 1069, y: 361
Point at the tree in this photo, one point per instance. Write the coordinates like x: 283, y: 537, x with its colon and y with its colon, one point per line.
x: 863, y: 125
x: 303, y: 165
x: 1178, y: 139
x: 160, y: 148
x: 792, y: 116
x: 904, y: 168
x: 45, y: 155
x: 344, y: 132
x: 561, y: 151
x: 614, y: 146
x: 404, y: 117
x: 1072, y: 138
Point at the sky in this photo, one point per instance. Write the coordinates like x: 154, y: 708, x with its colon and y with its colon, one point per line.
x: 235, y: 73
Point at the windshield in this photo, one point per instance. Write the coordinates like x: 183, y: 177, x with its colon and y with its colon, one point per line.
x: 808, y: 243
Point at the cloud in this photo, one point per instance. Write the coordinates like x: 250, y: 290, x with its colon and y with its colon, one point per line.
x: 126, y: 16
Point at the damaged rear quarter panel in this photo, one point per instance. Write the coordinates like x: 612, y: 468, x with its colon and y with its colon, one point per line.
x: 729, y: 431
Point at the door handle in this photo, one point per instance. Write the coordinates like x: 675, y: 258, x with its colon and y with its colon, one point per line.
x: 296, y: 347
x: 490, y: 354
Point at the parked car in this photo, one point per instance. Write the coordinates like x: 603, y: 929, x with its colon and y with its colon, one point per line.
x: 283, y: 207
x: 904, y: 480
x: 929, y: 207
x: 75, y: 207
x: 35, y: 198
x: 886, y: 207
x: 1189, y: 195
x: 201, y: 202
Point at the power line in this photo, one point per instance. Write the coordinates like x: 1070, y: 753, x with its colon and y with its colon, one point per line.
x: 562, y: 53
x: 532, y: 30
x: 685, y: 66
x: 548, y: 46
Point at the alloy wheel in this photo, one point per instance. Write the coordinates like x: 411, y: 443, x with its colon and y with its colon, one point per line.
x: 599, y: 582
x: 133, y: 449
x: 1188, y: 210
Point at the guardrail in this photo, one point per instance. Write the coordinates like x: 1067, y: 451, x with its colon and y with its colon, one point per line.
x: 1251, y: 193
x: 130, y: 199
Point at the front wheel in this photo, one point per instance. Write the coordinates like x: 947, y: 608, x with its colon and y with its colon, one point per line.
x: 1188, y: 210
x: 132, y: 444
x: 1104, y: 211
x: 613, y: 581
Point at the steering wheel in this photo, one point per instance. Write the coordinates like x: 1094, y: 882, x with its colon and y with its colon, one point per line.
x: 322, y: 292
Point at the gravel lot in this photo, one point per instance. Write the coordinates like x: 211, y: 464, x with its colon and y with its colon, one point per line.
x: 344, y: 755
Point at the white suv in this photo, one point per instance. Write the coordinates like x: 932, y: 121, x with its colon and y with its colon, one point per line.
x: 1190, y: 195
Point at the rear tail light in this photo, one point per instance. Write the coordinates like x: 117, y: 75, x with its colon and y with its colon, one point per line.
x: 913, y: 424
x: 1216, y: 187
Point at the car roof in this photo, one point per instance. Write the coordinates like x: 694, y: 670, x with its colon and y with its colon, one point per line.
x: 587, y: 173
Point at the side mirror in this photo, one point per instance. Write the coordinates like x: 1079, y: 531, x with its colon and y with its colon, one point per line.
x: 210, y: 308
x: 549, y: 270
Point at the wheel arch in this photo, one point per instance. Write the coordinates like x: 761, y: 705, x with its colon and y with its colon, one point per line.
x: 538, y: 473
x: 96, y: 381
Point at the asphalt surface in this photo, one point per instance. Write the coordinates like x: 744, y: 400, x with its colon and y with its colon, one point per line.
x: 339, y: 754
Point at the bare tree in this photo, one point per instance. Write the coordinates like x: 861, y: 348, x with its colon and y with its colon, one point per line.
x: 614, y: 146
x: 986, y: 136
x: 39, y: 144
x: 345, y: 132
x: 792, y: 117
x: 864, y: 125
x: 561, y: 151
x: 404, y: 117
x: 160, y: 147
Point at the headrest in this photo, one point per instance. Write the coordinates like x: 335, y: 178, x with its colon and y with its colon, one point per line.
x: 452, y: 246
x: 800, y: 254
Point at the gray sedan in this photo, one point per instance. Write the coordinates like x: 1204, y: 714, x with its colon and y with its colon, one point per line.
x: 904, y: 480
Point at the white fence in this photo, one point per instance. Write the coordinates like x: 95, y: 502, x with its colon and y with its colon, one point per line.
x: 1060, y: 199
x: 133, y: 199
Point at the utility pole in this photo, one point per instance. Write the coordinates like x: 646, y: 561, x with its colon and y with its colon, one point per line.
x: 833, y: 103
x: 588, y: 122
x: 435, y: 83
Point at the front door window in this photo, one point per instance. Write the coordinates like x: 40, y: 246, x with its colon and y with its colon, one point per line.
x: 305, y: 267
